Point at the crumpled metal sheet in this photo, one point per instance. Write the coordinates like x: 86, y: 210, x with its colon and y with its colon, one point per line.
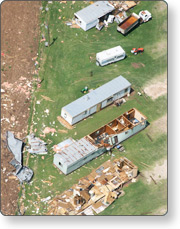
x: 15, y: 146
x: 37, y: 146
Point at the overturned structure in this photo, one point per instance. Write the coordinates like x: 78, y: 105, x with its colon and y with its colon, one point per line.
x: 71, y: 154
x: 95, y: 192
x: 15, y: 146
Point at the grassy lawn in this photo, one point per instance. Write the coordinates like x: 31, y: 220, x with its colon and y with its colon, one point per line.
x: 65, y: 68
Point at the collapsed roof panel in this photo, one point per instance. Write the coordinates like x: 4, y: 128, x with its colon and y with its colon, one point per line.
x: 15, y: 146
x: 75, y: 150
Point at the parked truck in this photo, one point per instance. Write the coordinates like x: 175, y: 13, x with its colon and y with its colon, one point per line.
x: 128, y: 24
x: 133, y: 20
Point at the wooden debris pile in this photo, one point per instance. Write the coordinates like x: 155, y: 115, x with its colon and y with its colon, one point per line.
x: 96, y: 191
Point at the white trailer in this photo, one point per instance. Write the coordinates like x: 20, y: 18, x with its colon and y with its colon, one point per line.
x: 110, y: 56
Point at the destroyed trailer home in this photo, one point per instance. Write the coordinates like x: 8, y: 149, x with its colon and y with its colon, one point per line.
x: 91, y: 15
x: 15, y: 146
x: 95, y: 192
x: 72, y: 154
x: 96, y: 100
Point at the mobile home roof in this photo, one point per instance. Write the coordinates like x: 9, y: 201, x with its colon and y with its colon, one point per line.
x: 76, y: 150
x: 109, y: 53
x: 94, y: 11
x: 97, y: 96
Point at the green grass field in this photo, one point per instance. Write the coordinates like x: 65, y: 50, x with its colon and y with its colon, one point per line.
x: 65, y: 68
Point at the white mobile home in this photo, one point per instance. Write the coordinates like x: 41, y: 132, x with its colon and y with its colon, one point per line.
x: 96, y: 100
x: 110, y: 56
x: 90, y: 16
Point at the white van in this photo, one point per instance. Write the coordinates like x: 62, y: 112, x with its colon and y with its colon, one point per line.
x: 110, y: 56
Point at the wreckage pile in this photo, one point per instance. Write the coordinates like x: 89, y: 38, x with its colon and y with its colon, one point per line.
x: 95, y: 192
x: 36, y: 145
x: 15, y: 146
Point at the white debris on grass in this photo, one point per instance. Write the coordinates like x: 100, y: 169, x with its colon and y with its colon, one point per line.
x: 46, y: 199
x: 47, y: 111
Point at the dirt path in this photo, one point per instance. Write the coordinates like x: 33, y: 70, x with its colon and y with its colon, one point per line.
x: 157, y: 87
x: 159, y: 172
x: 19, y: 44
x: 159, y: 126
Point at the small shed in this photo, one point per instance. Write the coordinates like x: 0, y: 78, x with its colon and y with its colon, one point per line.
x: 89, y: 17
x: 96, y: 100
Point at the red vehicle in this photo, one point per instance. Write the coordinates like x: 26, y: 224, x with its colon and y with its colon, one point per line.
x: 135, y: 51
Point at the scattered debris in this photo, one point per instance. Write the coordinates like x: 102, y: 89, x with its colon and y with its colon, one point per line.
x: 37, y: 146
x: 119, y: 102
x: 47, y: 98
x: 120, y: 148
x: 63, y: 131
x: 48, y: 130
x: 47, y: 111
x: 46, y: 199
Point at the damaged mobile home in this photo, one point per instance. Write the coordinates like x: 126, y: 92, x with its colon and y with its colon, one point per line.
x: 95, y: 192
x: 72, y: 154
x: 15, y: 146
x: 96, y: 100
x: 91, y: 15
